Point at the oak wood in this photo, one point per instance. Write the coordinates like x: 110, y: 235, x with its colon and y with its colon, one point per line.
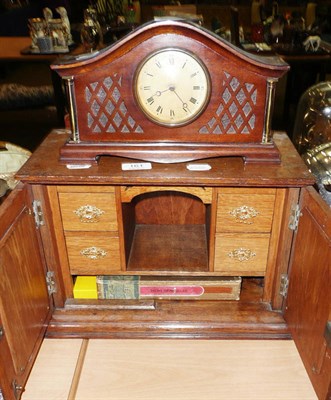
x: 284, y: 249
x: 308, y: 303
x: 56, y: 227
x: 275, y: 242
x: 52, y: 250
x: 107, y: 262
x: 169, y: 208
x: 256, y: 262
x: 203, y: 193
x: 225, y: 173
x: 104, y: 203
x: 169, y: 248
x: 24, y: 302
x: 44, y: 167
x: 248, y: 318
x: 260, y: 210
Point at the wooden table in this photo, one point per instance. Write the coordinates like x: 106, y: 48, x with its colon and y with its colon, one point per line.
x: 11, y: 47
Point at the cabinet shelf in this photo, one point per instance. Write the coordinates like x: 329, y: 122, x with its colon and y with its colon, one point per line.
x: 169, y: 248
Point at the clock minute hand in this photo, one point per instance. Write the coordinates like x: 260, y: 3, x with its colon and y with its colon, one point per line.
x: 185, y: 107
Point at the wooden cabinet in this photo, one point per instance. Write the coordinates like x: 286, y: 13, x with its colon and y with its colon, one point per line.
x: 247, y: 209
x: 184, y: 226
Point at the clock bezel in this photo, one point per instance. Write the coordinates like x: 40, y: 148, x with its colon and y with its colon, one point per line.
x: 191, y: 118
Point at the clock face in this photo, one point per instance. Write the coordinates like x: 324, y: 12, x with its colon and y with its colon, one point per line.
x: 172, y: 87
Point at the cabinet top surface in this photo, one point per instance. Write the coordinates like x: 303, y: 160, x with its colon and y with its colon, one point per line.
x: 44, y: 167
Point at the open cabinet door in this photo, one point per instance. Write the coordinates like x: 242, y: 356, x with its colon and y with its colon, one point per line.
x: 24, y: 299
x: 308, y: 305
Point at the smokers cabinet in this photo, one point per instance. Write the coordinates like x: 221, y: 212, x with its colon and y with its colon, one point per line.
x: 217, y: 196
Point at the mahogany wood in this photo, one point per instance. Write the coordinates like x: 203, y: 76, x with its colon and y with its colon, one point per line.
x: 167, y: 152
x: 106, y: 118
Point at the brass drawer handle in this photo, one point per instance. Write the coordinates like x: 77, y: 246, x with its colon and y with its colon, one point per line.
x: 93, y: 253
x: 244, y: 214
x: 88, y: 213
x: 241, y: 254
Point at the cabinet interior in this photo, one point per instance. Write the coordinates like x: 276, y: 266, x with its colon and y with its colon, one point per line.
x: 166, y: 231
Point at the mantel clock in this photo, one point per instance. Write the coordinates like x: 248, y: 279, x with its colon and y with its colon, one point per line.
x: 171, y: 91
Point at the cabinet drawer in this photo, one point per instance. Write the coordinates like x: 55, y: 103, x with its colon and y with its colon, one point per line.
x: 238, y: 211
x: 88, y: 211
x: 93, y: 255
x: 241, y: 254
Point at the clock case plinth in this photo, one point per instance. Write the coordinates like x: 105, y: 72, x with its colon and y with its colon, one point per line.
x: 105, y: 117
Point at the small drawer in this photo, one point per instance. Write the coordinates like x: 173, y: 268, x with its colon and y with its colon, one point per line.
x: 93, y: 255
x: 241, y: 254
x: 88, y: 211
x: 244, y: 212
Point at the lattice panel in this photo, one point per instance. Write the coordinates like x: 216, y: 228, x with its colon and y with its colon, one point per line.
x: 107, y: 112
x: 236, y: 111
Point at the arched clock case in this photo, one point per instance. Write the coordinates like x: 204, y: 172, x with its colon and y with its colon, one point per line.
x: 171, y: 91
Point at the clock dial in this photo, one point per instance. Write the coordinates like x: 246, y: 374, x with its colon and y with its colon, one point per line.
x: 172, y: 87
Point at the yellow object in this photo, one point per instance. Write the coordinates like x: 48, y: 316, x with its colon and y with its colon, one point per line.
x: 85, y: 287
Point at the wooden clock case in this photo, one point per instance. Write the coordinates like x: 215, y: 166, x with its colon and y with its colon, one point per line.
x: 106, y: 119
x: 285, y: 286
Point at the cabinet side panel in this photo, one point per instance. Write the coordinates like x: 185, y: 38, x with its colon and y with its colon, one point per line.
x: 284, y: 247
x: 63, y: 267
x: 274, y: 243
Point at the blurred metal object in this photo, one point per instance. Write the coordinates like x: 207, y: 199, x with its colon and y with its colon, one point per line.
x: 312, y: 134
x: 12, y: 157
x: 313, y: 119
x: 3, y: 187
x: 318, y: 161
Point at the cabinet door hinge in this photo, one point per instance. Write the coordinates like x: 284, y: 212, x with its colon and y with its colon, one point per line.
x: 38, y: 213
x: 284, y: 281
x: 17, y: 389
x: 51, y: 285
x: 294, y: 217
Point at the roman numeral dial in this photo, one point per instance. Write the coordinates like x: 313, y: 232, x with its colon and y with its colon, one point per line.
x: 172, y: 87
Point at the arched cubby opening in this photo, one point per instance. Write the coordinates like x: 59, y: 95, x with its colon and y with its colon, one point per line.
x: 166, y: 229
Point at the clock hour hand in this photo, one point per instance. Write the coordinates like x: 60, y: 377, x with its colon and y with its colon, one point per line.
x: 159, y: 92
